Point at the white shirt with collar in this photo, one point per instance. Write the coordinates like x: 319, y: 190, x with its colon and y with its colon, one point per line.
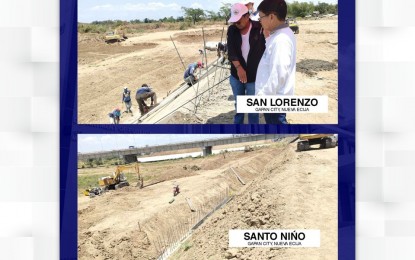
x: 276, y: 70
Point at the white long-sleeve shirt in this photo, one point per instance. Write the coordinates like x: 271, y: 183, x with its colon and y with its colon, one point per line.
x: 276, y: 70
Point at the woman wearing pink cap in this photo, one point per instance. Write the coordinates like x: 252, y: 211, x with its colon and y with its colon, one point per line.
x: 246, y: 44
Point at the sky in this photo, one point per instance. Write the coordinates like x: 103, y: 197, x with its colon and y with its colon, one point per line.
x: 106, y: 142
x: 100, y: 10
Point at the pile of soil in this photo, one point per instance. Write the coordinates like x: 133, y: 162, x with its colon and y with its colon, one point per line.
x: 311, y: 66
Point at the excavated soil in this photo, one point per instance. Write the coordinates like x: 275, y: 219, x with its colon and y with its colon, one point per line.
x: 210, y: 35
x: 295, y: 191
x: 311, y: 67
x: 284, y: 189
x: 150, y: 58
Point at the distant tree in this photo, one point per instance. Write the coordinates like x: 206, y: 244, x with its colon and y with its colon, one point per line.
x: 332, y: 9
x: 196, y: 14
x: 146, y: 20
x: 302, y: 9
x: 90, y: 163
x: 225, y: 11
x: 171, y: 19
x: 180, y: 19
x: 213, y: 16
x: 323, y: 8
x: 99, y: 161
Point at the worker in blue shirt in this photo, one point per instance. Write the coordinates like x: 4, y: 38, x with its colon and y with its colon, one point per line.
x: 142, y: 95
x: 189, y: 74
x: 126, y: 99
x: 115, y: 116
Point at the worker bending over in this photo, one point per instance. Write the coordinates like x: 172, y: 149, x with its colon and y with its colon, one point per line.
x: 189, y: 74
x: 142, y: 95
x: 115, y: 116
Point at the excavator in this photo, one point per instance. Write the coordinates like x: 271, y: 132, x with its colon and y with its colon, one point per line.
x: 324, y: 140
x: 118, y: 179
x: 116, y: 35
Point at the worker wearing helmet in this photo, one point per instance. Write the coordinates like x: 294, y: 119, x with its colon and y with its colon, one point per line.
x: 189, y: 74
x: 126, y: 98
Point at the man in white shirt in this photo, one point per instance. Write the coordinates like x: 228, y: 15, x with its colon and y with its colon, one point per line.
x: 276, y: 70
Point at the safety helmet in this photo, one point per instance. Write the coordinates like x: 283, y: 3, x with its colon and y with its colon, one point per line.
x: 200, y: 64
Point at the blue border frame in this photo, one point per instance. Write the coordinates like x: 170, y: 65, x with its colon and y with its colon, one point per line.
x: 69, y: 130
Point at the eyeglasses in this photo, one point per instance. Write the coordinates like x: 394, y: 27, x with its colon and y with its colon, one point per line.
x: 260, y: 17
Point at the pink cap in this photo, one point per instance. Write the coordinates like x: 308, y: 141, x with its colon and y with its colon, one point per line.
x: 237, y: 10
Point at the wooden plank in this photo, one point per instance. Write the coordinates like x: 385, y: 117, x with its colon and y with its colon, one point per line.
x: 237, y: 176
x: 189, y: 202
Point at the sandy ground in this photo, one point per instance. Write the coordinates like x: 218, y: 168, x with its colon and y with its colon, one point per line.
x: 284, y: 189
x: 151, y: 58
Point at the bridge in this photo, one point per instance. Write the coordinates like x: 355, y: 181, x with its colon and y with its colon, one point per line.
x: 131, y: 155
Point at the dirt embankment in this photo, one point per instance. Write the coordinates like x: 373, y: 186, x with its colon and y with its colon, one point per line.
x: 151, y: 58
x: 284, y: 189
x: 295, y: 191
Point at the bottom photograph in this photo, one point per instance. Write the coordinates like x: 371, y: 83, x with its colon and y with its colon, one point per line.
x: 207, y: 196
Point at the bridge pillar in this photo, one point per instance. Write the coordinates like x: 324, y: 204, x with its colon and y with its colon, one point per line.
x: 207, y: 150
x: 130, y: 158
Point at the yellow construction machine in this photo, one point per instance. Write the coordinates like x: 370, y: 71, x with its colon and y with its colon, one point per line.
x: 118, y: 179
x: 324, y: 140
x: 116, y: 35
x: 93, y: 191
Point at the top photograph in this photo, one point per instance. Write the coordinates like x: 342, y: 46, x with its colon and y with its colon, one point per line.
x: 215, y: 62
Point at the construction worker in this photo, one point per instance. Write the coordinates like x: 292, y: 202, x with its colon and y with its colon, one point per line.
x: 176, y: 190
x: 126, y: 98
x: 189, y: 74
x: 115, y: 116
x: 142, y: 95
x: 222, y: 52
x: 253, y: 15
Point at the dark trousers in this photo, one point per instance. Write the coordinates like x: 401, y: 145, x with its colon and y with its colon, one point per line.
x: 141, y: 100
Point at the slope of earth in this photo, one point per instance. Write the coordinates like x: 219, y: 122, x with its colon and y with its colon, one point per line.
x: 284, y: 189
x: 104, y: 69
x: 296, y: 191
x: 126, y: 223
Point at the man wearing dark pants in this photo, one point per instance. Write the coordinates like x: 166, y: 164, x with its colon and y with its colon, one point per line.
x: 246, y: 44
x: 142, y: 95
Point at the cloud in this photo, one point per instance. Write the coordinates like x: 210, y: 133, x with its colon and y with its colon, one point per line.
x: 196, y: 5
x: 103, y: 7
x: 88, y: 139
x: 128, y: 7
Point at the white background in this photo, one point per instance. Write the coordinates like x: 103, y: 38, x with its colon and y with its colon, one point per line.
x: 29, y: 139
